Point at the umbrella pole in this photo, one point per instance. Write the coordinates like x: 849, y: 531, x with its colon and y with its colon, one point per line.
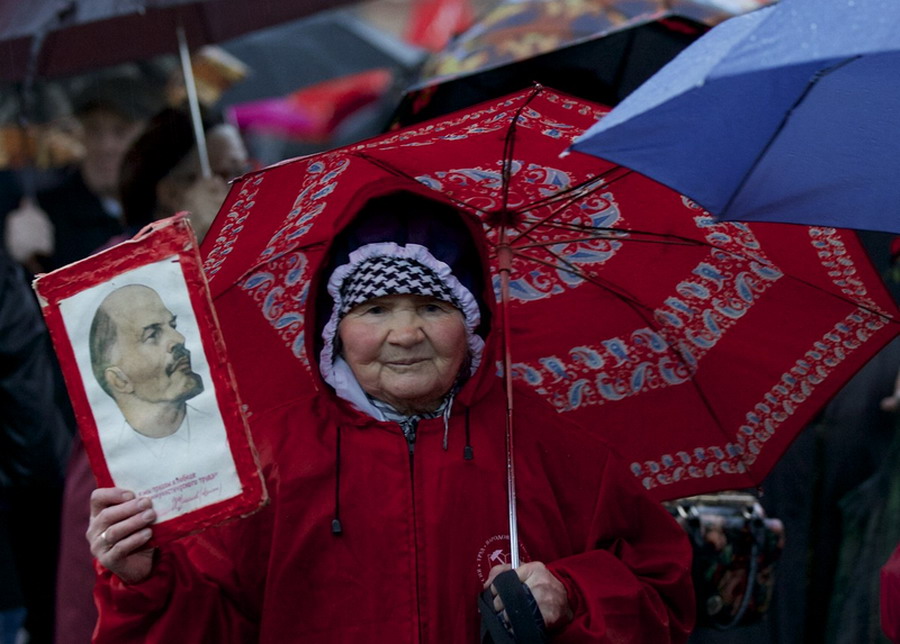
x: 199, y: 135
x: 504, y: 257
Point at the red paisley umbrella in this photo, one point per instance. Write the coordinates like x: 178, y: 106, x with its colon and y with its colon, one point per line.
x: 699, y: 348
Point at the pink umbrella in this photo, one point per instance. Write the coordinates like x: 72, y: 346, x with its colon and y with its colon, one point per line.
x: 313, y: 113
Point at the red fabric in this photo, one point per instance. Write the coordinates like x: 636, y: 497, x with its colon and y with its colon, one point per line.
x: 890, y: 597
x: 313, y: 113
x: 698, y: 349
x: 418, y: 538
x: 434, y: 23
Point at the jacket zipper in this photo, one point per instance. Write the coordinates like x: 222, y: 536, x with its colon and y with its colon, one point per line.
x: 411, y: 446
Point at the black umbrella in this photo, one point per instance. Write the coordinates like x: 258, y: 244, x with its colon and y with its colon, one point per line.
x: 599, y: 51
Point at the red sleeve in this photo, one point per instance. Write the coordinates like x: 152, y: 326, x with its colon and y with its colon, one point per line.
x: 636, y: 585
x: 198, y: 592
x: 890, y: 597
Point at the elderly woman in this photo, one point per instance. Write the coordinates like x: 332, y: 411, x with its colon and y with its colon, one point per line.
x: 388, y: 515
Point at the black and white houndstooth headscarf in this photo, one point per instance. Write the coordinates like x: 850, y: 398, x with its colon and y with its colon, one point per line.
x: 388, y: 275
x: 386, y: 268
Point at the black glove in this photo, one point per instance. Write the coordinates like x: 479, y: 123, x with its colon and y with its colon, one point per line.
x: 523, y: 624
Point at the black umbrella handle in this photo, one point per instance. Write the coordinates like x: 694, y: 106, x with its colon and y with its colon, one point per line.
x: 523, y: 624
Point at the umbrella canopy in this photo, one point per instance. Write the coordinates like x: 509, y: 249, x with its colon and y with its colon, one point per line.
x: 67, y: 36
x: 339, y: 42
x: 595, y: 49
x: 785, y: 114
x: 345, y: 49
x: 71, y: 36
x: 698, y: 348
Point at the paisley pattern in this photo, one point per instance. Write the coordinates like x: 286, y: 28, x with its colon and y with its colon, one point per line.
x: 235, y: 218
x: 691, y: 321
x: 281, y: 291
x: 792, y: 389
x: 768, y: 414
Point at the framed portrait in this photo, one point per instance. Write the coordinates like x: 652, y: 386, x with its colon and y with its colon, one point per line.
x: 146, y: 369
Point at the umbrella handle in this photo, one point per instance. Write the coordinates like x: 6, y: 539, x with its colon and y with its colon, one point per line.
x: 190, y: 85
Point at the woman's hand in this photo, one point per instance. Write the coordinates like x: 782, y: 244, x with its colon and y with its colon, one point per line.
x: 118, y: 533
x: 548, y: 592
x: 29, y: 235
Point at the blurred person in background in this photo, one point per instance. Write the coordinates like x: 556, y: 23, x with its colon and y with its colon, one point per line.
x: 67, y: 221
x: 73, y: 218
x: 34, y: 443
x: 160, y: 175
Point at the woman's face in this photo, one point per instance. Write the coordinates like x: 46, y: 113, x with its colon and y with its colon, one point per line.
x: 227, y: 159
x: 405, y: 350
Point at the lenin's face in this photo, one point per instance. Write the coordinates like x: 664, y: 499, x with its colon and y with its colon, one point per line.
x: 149, y: 352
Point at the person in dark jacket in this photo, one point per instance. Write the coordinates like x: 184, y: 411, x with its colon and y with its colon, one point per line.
x: 34, y: 442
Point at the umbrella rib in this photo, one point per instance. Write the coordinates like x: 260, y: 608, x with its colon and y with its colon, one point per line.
x: 601, y: 180
x: 255, y: 267
x: 509, y: 142
x: 621, y: 234
x: 593, y: 279
x: 404, y: 175
x: 569, y: 195
x: 384, y: 166
x: 783, y: 124
x: 887, y: 317
x: 572, y: 240
x: 676, y: 240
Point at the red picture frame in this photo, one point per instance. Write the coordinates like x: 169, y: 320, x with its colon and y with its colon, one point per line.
x: 139, y: 345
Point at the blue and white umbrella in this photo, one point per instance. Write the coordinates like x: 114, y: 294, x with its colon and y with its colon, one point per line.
x: 790, y: 113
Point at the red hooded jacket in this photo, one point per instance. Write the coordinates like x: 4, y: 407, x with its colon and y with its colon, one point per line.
x: 421, y: 530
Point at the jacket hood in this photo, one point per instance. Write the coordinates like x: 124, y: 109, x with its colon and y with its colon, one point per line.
x: 408, y: 216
